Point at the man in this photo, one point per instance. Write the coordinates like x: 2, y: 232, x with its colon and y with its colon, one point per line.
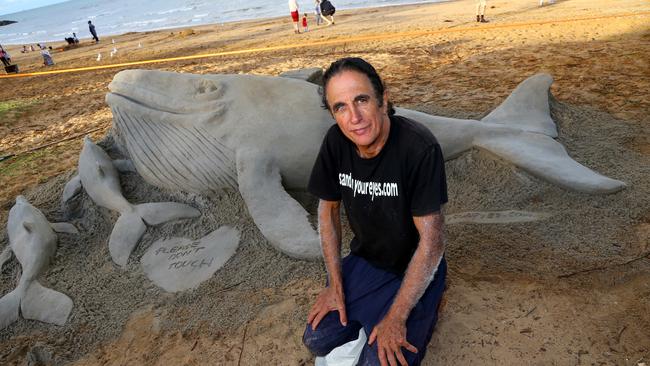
x: 91, y: 27
x: 389, y: 173
x: 293, y: 9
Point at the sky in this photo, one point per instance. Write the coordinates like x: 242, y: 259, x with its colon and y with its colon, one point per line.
x: 14, y: 6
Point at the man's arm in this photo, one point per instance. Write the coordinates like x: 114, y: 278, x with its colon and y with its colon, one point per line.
x: 390, y: 333
x: 332, y: 297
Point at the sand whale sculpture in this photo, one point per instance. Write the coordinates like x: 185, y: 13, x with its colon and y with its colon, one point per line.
x: 260, y: 134
x: 100, y: 179
x: 32, y: 239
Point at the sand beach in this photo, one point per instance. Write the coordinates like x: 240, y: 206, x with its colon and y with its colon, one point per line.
x: 571, y: 289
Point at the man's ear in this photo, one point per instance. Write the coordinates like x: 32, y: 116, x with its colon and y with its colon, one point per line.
x: 384, y: 106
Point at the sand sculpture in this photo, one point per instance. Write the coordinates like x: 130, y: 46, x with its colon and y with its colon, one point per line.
x: 32, y: 239
x: 260, y: 134
x: 100, y: 179
x: 179, y: 264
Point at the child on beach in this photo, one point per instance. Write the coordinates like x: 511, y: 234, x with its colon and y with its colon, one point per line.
x: 305, y: 28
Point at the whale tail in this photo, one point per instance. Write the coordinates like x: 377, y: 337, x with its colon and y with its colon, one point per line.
x: 527, y: 107
x: 46, y: 305
x: 529, y: 143
x: 37, y: 303
x: 131, y: 225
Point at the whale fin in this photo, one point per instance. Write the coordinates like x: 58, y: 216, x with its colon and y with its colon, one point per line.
x: 278, y: 216
x: 127, y: 231
x: 71, y: 189
x: 124, y: 166
x: 64, y: 227
x: 527, y: 108
x: 46, y: 305
x: 9, y: 308
x: 5, y: 256
x: 158, y: 212
x: 546, y: 158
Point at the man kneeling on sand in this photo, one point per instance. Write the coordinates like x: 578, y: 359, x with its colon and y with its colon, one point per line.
x: 389, y: 172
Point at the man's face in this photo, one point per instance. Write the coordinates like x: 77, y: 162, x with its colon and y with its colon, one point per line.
x: 357, y: 112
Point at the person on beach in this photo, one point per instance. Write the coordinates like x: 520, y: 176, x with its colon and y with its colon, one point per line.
x: 480, y: 11
x: 389, y: 172
x: 317, y: 12
x: 327, y: 10
x: 5, y: 56
x: 305, y: 28
x: 91, y: 27
x: 47, y: 58
x: 295, y: 17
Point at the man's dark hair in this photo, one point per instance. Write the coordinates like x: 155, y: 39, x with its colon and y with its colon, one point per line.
x: 359, y: 65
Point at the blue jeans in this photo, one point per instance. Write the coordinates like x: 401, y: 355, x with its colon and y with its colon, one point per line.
x: 369, y: 293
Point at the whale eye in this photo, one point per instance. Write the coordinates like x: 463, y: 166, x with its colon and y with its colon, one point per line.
x: 206, y: 86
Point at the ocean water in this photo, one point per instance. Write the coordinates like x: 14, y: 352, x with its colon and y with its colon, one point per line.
x: 55, y: 22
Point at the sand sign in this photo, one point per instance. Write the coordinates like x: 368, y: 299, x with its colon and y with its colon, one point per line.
x: 179, y: 264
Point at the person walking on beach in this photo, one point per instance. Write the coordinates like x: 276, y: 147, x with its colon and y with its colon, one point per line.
x: 389, y: 173
x: 91, y: 27
x: 3, y: 57
x: 305, y: 28
x: 317, y: 12
x: 295, y: 17
x: 327, y: 10
x: 480, y: 11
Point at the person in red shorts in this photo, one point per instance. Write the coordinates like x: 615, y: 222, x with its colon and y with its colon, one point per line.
x: 295, y: 17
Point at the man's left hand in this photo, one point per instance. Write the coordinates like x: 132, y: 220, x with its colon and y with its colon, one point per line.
x: 390, y: 335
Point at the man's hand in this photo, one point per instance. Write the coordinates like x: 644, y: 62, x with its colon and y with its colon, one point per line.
x: 390, y: 335
x: 330, y: 299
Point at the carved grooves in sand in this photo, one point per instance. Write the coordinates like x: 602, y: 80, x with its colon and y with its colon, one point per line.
x: 176, y: 157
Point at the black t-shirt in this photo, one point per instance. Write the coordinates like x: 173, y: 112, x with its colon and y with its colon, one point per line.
x: 382, y: 194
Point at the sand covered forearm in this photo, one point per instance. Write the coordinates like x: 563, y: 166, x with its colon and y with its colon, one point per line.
x: 423, y: 265
x: 329, y: 228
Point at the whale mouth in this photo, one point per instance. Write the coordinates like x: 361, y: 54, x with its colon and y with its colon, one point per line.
x: 121, y: 99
